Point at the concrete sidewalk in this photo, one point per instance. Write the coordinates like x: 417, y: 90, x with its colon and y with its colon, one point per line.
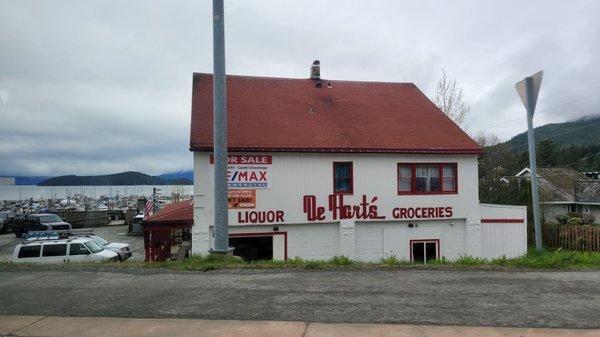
x: 130, y: 327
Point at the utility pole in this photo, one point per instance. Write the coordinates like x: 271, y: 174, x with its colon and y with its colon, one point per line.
x: 221, y: 225
x: 528, y: 90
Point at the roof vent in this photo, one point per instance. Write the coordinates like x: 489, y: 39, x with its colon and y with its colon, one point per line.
x: 315, y: 70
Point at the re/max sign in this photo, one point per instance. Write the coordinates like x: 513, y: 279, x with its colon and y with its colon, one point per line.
x: 248, y: 172
x: 234, y: 160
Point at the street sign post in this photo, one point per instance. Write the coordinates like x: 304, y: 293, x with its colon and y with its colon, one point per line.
x: 528, y: 90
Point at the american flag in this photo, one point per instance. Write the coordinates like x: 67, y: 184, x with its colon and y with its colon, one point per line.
x: 148, y: 209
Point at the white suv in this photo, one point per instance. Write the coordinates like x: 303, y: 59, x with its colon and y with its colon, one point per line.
x: 61, y: 251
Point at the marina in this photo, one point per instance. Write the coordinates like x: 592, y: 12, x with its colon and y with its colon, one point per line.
x: 26, y: 192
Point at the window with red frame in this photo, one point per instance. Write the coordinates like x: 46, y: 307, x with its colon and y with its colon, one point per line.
x: 342, y: 177
x: 427, y: 178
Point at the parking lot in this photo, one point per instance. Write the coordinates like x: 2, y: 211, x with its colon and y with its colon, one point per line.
x: 109, y: 233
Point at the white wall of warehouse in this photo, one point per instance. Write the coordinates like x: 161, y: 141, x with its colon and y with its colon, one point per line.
x: 506, y: 238
x: 294, y: 175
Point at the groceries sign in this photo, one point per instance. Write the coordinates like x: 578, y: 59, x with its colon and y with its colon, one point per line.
x: 248, y: 172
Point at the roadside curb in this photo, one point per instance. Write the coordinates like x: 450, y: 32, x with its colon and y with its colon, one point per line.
x: 148, y: 327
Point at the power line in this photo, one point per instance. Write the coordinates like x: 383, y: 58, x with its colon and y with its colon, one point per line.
x: 584, y: 158
x: 546, y: 109
x: 542, y: 139
x: 507, y: 122
x: 570, y: 102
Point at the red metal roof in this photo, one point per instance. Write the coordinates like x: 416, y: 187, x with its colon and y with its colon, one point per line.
x: 178, y: 212
x: 293, y: 115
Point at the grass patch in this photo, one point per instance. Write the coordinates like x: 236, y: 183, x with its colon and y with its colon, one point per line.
x: 547, y: 259
x: 555, y: 259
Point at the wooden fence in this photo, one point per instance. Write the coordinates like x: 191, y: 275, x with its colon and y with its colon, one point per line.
x: 583, y: 238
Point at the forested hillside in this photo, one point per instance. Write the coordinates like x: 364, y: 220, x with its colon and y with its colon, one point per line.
x: 573, y: 144
x: 585, y: 131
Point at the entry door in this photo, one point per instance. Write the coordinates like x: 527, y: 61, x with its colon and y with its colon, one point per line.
x: 423, y: 251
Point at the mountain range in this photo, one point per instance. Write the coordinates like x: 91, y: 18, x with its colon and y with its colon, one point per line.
x: 124, y: 178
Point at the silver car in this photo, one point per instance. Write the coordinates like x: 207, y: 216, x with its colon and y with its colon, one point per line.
x: 122, y: 249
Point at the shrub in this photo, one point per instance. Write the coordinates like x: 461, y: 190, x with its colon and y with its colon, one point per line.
x: 575, y: 221
x: 552, y: 223
x: 312, y: 264
x: 441, y: 261
x: 562, y: 218
x: 574, y: 215
x: 501, y: 261
x: 575, y: 218
x: 588, y: 219
x: 390, y: 260
x: 468, y: 260
x: 341, y: 260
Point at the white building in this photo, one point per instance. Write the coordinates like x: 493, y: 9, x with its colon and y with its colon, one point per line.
x: 322, y: 168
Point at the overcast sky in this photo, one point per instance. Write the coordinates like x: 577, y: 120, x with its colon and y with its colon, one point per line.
x: 91, y: 87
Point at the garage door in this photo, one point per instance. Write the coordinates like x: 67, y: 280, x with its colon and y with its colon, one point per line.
x: 259, y: 246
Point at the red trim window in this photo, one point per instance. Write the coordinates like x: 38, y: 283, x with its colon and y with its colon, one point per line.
x: 423, y: 251
x: 427, y: 178
x: 342, y: 178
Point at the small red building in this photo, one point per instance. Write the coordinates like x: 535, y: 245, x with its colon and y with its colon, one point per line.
x: 168, y: 229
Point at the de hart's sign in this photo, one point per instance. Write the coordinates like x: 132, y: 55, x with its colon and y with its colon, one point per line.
x: 367, y: 209
x: 248, y: 172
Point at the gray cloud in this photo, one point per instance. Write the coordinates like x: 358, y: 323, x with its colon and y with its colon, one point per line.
x: 105, y: 86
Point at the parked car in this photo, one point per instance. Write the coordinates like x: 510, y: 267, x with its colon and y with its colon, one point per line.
x: 61, y: 251
x: 3, y: 221
x: 122, y: 249
x: 37, y: 222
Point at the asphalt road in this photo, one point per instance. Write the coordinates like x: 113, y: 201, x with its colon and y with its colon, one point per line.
x: 449, y: 297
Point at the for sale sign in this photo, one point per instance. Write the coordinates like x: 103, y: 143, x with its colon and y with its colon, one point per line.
x: 248, y: 172
x: 241, y: 199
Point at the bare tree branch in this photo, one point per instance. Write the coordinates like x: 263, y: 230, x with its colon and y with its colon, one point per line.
x: 449, y: 98
x: 486, y: 139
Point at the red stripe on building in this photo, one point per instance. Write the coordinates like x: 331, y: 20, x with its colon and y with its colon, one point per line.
x: 502, y: 220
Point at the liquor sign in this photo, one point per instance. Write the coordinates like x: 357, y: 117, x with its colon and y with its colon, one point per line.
x: 241, y: 199
x: 248, y: 172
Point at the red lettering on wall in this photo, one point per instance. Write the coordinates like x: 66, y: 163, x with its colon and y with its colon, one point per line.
x: 431, y: 213
x: 366, y: 209
x: 260, y: 216
x: 448, y: 212
x: 313, y: 213
x: 421, y: 212
x: 234, y: 160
